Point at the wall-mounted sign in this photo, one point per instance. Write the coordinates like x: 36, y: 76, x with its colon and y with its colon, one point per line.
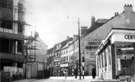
x: 129, y: 37
x: 123, y: 37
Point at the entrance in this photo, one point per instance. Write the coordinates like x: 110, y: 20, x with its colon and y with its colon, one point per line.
x: 125, y: 58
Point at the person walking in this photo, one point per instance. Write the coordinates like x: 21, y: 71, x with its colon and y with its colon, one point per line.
x: 75, y: 73
x: 93, y: 72
x: 65, y: 73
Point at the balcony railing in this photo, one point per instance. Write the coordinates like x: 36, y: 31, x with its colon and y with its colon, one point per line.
x: 16, y: 57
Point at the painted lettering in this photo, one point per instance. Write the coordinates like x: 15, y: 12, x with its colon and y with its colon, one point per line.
x: 130, y: 37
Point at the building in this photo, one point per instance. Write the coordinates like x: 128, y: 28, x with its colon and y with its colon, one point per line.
x: 36, y: 54
x: 89, y: 44
x: 54, y: 57
x: 115, y: 55
x: 50, y: 56
x: 12, y: 23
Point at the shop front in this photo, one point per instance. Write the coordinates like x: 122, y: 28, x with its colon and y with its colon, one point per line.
x: 64, y: 67
x: 116, y: 54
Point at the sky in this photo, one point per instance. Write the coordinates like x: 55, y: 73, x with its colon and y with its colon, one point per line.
x: 57, y: 19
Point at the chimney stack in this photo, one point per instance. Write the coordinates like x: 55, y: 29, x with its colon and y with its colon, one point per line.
x: 128, y: 8
x: 92, y: 20
x: 116, y: 13
x: 83, y: 29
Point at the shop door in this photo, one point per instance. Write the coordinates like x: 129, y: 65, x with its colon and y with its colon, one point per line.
x: 125, y: 58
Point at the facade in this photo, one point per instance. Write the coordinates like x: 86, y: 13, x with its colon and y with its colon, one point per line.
x: 115, y: 55
x: 89, y: 44
x: 56, y: 61
x: 57, y: 56
x: 36, y: 55
x: 50, y: 55
x: 64, y: 59
x: 12, y: 36
x: 117, y: 46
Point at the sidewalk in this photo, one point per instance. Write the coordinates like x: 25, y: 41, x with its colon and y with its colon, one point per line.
x: 73, y: 77
x: 25, y: 80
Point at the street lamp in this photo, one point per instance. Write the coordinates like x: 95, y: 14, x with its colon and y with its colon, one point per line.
x: 79, y: 50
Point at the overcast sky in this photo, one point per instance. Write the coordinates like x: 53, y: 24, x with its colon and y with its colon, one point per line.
x: 50, y: 16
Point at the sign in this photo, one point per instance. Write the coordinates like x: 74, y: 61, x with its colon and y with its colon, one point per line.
x: 122, y: 37
x: 64, y: 65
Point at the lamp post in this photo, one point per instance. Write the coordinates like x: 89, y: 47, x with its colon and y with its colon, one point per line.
x: 79, y: 48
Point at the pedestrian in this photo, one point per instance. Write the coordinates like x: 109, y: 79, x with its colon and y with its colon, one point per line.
x: 65, y: 73
x: 75, y: 73
x: 93, y: 72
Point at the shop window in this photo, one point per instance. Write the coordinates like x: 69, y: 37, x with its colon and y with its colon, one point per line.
x: 125, y: 58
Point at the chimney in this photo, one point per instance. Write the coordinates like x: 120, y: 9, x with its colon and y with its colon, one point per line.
x: 75, y: 36
x: 116, y: 13
x: 67, y: 37
x: 92, y: 20
x: 83, y: 29
x: 128, y: 8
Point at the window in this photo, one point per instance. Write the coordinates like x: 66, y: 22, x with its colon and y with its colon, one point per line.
x: 20, y: 27
x: 6, y: 4
x: 6, y: 24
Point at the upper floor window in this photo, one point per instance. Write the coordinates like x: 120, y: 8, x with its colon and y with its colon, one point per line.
x: 6, y: 4
x: 6, y: 24
x: 20, y: 28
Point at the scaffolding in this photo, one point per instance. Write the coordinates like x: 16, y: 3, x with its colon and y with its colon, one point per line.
x: 11, y: 30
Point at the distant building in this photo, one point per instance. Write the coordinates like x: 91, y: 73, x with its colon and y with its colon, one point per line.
x: 36, y: 56
x: 55, y: 55
x: 50, y: 56
x: 37, y: 50
x: 89, y: 44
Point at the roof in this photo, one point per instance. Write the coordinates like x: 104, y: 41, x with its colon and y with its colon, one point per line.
x: 97, y: 24
x: 49, y: 50
x: 63, y: 43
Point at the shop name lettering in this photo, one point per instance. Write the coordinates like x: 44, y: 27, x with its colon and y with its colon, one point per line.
x: 129, y: 37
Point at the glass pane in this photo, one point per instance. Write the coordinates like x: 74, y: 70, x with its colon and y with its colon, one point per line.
x: 125, y: 58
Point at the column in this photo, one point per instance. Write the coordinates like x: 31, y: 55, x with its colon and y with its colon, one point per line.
x: 24, y: 69
x: 113, y: 61
x: 16, y: 44
x: 15, y: 65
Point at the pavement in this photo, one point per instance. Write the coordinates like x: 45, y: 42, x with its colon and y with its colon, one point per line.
x: 25, y: 80
x: 63, y: 79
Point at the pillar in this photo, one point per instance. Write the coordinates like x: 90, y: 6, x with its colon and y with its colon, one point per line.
x: 113, y: 61
x: 15, y: 65
x: 24, y: 69
x: 16, y: 44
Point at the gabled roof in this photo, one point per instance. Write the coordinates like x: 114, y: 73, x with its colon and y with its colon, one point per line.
x: 63, y: 43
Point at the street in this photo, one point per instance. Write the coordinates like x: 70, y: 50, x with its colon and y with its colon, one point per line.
x: 57, y: 79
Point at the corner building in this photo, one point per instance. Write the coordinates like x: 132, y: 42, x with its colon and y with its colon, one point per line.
x: 115, y: 55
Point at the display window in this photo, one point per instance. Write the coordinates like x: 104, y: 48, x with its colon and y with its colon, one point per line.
x: 125, y: 58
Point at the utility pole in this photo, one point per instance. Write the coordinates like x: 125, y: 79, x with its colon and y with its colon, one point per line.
x: 79, y: 48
